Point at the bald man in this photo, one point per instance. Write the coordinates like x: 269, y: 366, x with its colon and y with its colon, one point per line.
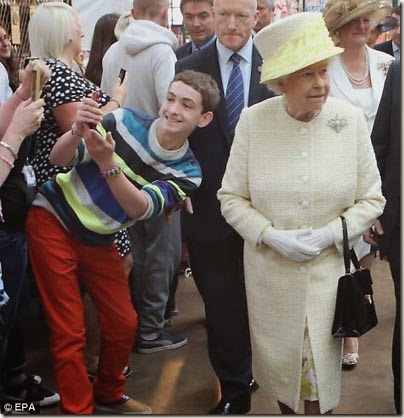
x: 215, y: 249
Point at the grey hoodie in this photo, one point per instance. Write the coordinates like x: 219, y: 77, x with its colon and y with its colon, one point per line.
x: 146, y: 51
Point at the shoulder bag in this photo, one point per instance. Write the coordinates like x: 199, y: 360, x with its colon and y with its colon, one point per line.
x: 355, y: 311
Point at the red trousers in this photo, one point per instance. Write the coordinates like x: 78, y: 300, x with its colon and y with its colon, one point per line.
x: 60, y: 262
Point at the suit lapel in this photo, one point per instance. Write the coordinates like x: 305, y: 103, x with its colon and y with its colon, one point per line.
x: 212, y: 67
x: 256, y: 65
x: 378, y: 72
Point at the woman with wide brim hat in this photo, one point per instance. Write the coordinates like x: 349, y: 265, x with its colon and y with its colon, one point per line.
x: 298, y: 162
x: 357, y: 76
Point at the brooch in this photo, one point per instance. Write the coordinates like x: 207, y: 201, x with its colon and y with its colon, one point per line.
x: 383, y: 66
x: 337, y: 124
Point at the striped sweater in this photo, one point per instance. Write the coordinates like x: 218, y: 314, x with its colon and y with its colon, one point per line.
x: 82, y: 200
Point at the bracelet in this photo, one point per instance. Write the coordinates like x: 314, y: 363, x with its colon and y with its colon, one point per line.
x: 7, y: 161
x: 9, y: 148
x: 112, y: 173
x: 116, y: 101
x: 73, y: 130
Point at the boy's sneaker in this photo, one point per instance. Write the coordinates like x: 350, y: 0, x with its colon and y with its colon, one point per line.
x: 127, y: 371
x: 124, y: 405
x: 163, y: 342
x: 30, y: 390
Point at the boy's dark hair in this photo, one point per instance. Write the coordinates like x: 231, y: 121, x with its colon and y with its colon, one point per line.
x: 184, y: 2
x: 396, y: 10
x: 202, y: 83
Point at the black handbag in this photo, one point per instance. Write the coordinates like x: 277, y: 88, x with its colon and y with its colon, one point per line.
x: 355, y: 311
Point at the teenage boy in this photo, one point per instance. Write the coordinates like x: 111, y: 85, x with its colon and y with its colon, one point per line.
x: 140, y: 168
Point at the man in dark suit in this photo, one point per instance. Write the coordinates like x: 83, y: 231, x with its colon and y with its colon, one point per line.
x: 392, y: 46
x: 386, y: 139
x: 215, y: 249
x: 197, y: 17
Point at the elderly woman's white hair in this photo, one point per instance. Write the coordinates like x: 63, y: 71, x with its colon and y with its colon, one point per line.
x: 50, y: 29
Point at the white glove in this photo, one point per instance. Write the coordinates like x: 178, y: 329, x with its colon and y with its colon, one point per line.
x: 320, y: 238
x: 287, y: 243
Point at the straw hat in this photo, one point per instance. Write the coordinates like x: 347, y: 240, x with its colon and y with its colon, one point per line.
x: 337, y: 13
x: 293, y: 43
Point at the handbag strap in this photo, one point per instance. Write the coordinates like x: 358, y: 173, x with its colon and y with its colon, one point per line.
x: 349, y: 254
x: 345, y: 245
x: 354, y: 259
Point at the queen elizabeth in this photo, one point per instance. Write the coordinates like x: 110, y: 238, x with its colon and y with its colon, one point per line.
x: 298, y: 162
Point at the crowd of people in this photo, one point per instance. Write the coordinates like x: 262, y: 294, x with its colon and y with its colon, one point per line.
x: 246, y: 144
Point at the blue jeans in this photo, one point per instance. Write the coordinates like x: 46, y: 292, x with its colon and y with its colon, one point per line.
x: 13, y: 259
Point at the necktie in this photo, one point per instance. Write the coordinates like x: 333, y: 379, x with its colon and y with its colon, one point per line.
x: 234, y: 93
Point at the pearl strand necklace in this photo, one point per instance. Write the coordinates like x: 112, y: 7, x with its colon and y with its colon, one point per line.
x: 358, y: 81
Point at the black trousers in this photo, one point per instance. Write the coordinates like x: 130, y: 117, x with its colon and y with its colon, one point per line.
x: 394, y: 258
x: 219, y: 276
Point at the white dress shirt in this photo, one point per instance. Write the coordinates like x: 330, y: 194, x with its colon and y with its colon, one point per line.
x: 226, y: 65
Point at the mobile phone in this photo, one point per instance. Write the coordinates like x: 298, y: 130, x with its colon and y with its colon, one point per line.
x: 122, y: 73
x: 95, y: 95
x: 36, y: 84
x: 28, y: 59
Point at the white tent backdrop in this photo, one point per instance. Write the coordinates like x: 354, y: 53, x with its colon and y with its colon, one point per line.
x: 91, y: 10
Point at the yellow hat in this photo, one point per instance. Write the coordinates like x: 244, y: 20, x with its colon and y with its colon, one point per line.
x: 337, y: 13
x: 293, y: 43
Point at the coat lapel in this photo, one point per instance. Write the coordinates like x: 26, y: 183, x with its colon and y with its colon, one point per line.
x: 341, y: 84
x: 212, y: 67
x: 256, y: 64
x: 378, y: 72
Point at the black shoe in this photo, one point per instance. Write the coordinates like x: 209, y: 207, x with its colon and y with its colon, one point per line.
x: 31, y: 390
x: 240, y: 405
x: 253, y: 386
x: 164, y: 341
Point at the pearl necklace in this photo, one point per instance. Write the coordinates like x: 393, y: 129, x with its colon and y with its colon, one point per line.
x: 358, y: 81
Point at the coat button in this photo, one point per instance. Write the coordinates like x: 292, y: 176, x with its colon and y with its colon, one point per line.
x: 304, y: 154
x: 305, y: 204
x: 303, y: 131
x: 304, y: 179
x: 302, y: 269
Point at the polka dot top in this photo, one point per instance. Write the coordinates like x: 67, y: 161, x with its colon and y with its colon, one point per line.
x: 64, y: 86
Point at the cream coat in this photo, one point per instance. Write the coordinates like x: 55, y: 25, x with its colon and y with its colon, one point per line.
x: 290, y: 175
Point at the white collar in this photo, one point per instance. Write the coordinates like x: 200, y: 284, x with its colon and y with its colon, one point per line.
x: 394, y: 46
x: 245, y: 52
